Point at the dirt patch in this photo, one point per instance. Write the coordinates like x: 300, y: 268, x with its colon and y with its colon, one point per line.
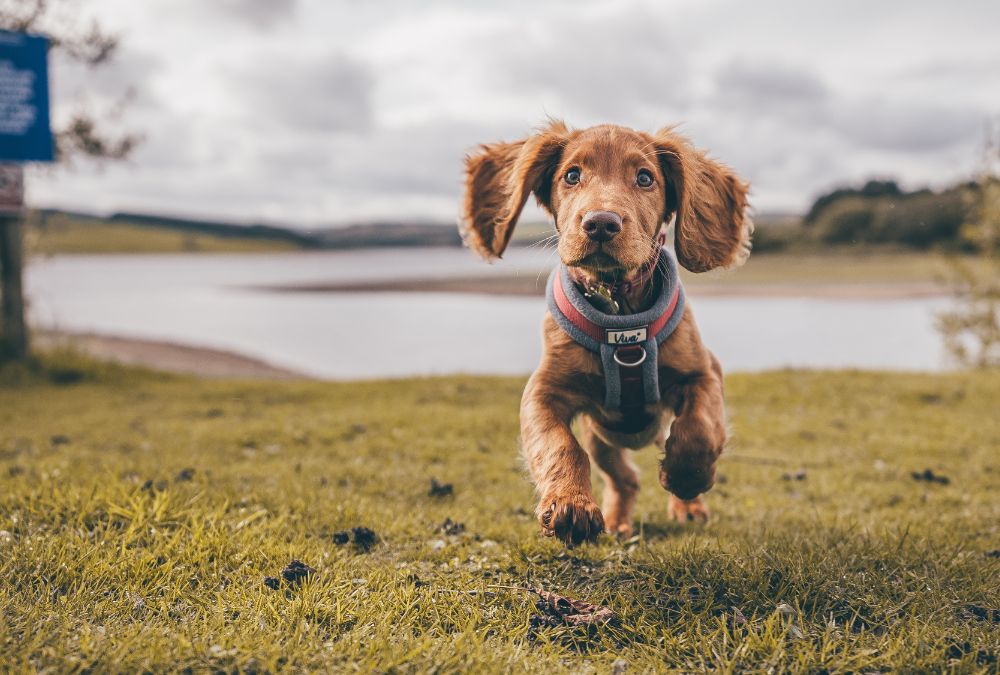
x: 451, y: 527
x: 364, y: 538
x: 439, y: 489
x: 928, y: 476
x: 293, y: 574
x: 167, y: 356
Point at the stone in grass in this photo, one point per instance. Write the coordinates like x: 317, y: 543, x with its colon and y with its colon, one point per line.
x: 364, y: 538
x: 184, y: 475
x: 294, y: 574
x: 788, y: 612
x: 736, y: 618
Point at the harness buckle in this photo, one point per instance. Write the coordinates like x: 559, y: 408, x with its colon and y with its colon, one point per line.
x: 622, y: 352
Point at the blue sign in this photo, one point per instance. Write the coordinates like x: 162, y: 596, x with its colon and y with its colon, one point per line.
x: 25, y: 135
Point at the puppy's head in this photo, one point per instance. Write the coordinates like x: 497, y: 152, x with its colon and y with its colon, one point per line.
x: 609, y: 190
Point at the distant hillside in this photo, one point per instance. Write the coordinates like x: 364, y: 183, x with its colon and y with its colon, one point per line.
x: 218, y: 229
x: 56, y: 231
x: 388, y: 234
x: 51, y: 232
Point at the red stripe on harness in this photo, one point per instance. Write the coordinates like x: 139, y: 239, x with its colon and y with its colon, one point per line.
x: 657, y: 326
x: 587, y: 326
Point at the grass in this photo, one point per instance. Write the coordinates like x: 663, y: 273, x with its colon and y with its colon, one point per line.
x: 113, y: 558
x: 65, y: 235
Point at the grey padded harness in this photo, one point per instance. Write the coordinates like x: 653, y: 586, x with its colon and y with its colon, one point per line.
x: 625, y: 342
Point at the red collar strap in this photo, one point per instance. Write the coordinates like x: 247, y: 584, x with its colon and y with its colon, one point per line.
x: 627, y: 343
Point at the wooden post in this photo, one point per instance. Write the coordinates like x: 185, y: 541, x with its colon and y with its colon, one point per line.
x: 13, y: 329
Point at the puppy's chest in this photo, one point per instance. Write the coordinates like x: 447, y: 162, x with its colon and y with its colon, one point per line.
x: 633, y: 419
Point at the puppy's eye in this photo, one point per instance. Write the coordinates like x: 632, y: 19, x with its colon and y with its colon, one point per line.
x: 644, y: 179
x: 572, y: 176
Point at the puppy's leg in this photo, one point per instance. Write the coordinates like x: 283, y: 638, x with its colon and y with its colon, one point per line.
x: 621, y: 482
x: 559, y: 466
x: 696, y: 439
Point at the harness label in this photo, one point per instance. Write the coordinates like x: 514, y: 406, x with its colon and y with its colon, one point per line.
x: 626, y: 337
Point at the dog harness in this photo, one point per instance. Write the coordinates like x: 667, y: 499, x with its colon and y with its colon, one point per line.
x: 627, y: 343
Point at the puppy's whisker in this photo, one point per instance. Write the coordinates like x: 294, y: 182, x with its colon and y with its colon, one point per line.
x: 542, y: 243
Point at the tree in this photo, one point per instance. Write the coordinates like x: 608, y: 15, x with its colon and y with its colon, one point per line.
x: 84, y: 134
x: 971, y: 330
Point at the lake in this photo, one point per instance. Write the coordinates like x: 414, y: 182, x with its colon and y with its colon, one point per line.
x: 212, y: 301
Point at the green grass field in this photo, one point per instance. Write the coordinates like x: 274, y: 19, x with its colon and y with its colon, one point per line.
x: 140, y: 514
x: 65, y: 235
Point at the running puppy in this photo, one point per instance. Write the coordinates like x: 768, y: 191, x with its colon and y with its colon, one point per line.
x: 621, y: 349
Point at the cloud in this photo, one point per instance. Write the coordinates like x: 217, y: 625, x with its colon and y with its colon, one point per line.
x: 614, y: 63
x: 261, y: 14
x: 791, y: 100
x: 906, y: 127
x: 318, y: 112
x: 331, y: 93
x: 769, y: 84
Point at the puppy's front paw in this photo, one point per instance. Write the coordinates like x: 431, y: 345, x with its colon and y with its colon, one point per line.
x: 687, y: 472
x: 686, y: 480
x: 572, y: 518
x: 688, y: 511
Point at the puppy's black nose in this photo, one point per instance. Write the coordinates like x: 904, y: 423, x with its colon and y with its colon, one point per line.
x: 601, y: 225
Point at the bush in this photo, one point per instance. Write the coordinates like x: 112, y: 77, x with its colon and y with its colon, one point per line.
x: 849, y: 220
x: 873, y: 188
x: 920, y: 219
x: 971, y: 330
x: 923, y: 219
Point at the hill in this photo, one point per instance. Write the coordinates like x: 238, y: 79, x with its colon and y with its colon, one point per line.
x: 53, y: 231
x: 50, y: 232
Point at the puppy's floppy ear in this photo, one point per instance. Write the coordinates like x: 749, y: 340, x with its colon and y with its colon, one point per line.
x: 712, y: 228
x: 499, y: 179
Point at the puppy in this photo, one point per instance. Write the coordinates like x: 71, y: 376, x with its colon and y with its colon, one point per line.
x: 622, y: 354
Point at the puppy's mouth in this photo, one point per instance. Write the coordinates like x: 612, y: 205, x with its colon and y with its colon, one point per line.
x: 603, y: 258
x: 600, y: 261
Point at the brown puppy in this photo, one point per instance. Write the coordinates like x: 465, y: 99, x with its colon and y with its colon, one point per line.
x: 643, y: 181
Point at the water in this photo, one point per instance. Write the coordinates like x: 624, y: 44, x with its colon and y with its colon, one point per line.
x: 209, y: 300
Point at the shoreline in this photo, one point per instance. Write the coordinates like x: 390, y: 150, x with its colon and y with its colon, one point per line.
x: 534, y: 285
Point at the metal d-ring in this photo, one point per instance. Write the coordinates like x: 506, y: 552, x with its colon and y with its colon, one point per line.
x: 626, y: 364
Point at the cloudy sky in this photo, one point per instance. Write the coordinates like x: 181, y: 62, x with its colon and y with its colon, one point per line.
x: 325, y: 112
